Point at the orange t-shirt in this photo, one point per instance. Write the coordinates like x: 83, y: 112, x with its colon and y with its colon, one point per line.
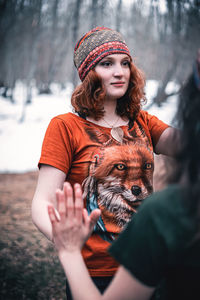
x: 115, y: 176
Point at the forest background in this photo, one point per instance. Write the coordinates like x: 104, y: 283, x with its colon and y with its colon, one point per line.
x: 37, y: 38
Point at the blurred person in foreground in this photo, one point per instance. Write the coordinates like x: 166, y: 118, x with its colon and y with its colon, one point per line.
x: 107, y: 145
x: 161, y: 244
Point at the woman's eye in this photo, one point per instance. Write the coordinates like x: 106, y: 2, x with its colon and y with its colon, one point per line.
x: 126, y: 63
x: 105, y: 63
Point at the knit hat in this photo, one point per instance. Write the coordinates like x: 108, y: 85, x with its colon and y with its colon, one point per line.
x: 95, y: 45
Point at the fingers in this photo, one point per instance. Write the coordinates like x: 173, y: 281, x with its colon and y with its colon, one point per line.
x: 61, y: 204
x: 78, y: 202
x: 52, y: 215
x: 94, y: 216
x: 91, y: 220
x: 73, y: 200
x: 69, y: 202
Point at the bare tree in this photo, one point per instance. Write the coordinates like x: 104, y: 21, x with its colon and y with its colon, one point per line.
x: 179, y: 36
x: 32, y: 19
x: 38, y: 37
x: 8, y: 20
x: 118, y: 15
x: 94, y: 13
x: 75, y: 30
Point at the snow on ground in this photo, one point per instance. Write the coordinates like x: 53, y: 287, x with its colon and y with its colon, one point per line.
x: 20, y: 142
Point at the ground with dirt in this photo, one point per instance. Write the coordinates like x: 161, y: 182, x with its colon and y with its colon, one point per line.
x: 29, y: 268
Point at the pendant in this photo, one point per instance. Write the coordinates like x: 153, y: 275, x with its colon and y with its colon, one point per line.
x: 117, y: 134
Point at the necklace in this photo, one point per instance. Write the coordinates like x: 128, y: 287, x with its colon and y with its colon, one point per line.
x: 112, y: 124
x: 116, y: 132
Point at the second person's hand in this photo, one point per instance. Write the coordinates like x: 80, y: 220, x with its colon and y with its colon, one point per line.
x: 72, y: 226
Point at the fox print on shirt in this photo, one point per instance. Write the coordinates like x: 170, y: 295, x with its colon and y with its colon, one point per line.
x: 120, y: 176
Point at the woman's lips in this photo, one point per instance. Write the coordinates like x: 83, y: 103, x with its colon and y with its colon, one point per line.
x: 119, y: 83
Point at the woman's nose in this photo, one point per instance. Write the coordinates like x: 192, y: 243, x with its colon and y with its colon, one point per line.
x: 118, y: 71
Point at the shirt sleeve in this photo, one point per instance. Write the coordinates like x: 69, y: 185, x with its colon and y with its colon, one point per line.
x: 57, y: 148
x: 156, y: 127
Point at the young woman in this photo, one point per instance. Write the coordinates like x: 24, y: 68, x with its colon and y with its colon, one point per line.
x: 161, y: 244
x: 106, y: 145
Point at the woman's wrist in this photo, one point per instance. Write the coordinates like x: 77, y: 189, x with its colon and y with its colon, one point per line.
x: 70, y: 260
x: 67, y: 254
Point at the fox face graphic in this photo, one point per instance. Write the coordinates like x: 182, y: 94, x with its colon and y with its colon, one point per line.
x: 121, y: 177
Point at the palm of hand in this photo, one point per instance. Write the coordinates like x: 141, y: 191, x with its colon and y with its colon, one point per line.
x: 71, y: 225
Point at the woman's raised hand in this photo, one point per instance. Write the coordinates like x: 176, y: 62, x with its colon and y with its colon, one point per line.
x: 72, y: 226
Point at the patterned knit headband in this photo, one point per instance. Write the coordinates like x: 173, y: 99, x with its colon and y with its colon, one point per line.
x: 95, y: 45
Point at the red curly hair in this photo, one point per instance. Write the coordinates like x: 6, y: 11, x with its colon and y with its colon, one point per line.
x: 88, y: 98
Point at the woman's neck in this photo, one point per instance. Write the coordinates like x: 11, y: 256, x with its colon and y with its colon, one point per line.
x: 110, y: 108
x: 110, y: 118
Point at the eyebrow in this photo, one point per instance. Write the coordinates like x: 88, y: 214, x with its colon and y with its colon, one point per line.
x: 112, y: 58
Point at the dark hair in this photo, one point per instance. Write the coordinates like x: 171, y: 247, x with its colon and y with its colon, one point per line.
x: 188, y: 120
x: 88, y: 98
x: 188, y: 158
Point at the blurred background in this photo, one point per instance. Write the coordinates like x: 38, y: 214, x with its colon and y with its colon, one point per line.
x: 37, y: 77
x: 37, y: 74
x: 38, y: 37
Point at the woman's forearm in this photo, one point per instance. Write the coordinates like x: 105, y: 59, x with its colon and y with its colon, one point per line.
x: 49, y: 180
x: 82, y: 286
x: 70, y: 231
x: 124, y: 285
x: 41, y: 220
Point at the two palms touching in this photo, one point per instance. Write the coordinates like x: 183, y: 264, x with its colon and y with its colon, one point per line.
x: 71, y: 225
